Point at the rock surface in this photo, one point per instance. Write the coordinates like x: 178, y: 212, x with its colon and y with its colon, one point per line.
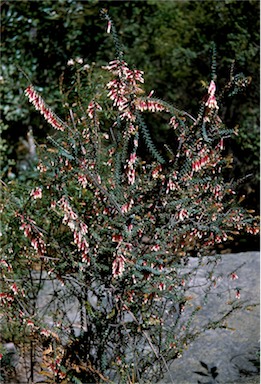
x: 231, y: 351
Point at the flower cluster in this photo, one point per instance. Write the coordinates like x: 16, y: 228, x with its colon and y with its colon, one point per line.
x: 130, y: 170
x: 6, y: 298
x: 204, y: 156
x: 32, y: 232
x: 182, y: 214
x: 127, y: 207
x: 77, y: 226
x: 150, y: 105
x: 123, y: 89
x: 200, y: 163
x: 36, y: 193
x: 93, y: 108
x: 40, y: 105
x: 172, y: 184
x: 83, y: 180
x: 118, y: 265
x: 5, y: 265
x: 156, y: 171
x: 211, y: 102
x: 173, y: 122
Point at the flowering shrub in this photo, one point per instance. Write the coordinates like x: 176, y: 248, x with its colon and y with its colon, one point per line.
x: 110, y: 222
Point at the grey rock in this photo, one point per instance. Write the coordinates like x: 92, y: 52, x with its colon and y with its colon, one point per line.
x: 230, y: 350
x: 11, y: 354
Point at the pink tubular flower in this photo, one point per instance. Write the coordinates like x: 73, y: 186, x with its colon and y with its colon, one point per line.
x: 183, y: 214
x: 109, y: 27
x: 86, y: 259
x: 14, y: 288
x: 30, y: 324
x: 39, y: 245
x: 131, y: 176
x: 114, y: 65
x: 118, y: 266
x: 212, y: 102
x: 234, y: 276
x: 40, y: 105
x: 156, y: 171
x: 45, y: 332
x: 36, y: 193
x: 162, y: 286
x: 155, y: 247
x: 212, y: 88
x: 6, y: 298
x: 221, y: 144
x: 138, y: 75
x: 130, y: 171
x: 93, y: 107
x: 84, y: 246
x: 150, y: 105
x: 173, y: 122
x: 126, y: 207
x: 33, y: 234
x: 27, y: 229
x: 217, y: 191
x: 117, y: 238
x: 252, y: 230
x: 117, y: 92
x: 199, y: 163
x: 78, y: 227
x: 170, y: 186
x: 4, y: 264
x: 83, y: 180
x: 62, y: 375
x: 196, y: 166
x: 218, y: 239
x: 83, y: 228
x: 69, y: 214
x: 124, y: 86
x: 133, y: 158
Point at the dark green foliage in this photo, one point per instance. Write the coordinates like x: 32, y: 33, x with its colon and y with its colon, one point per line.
x: 148, y: 140
x: 171, y: 41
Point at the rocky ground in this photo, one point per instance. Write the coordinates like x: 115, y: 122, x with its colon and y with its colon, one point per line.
x: 234, y: 352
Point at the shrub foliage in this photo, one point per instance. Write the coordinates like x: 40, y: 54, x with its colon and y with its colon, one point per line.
x: 96, y: 245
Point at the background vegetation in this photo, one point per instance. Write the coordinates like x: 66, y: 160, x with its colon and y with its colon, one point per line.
x: 169, y: 40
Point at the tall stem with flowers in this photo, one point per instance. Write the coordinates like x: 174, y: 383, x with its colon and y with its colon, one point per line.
x: 113, y: 230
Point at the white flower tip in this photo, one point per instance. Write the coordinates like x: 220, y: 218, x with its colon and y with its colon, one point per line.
x: 109, y: 27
